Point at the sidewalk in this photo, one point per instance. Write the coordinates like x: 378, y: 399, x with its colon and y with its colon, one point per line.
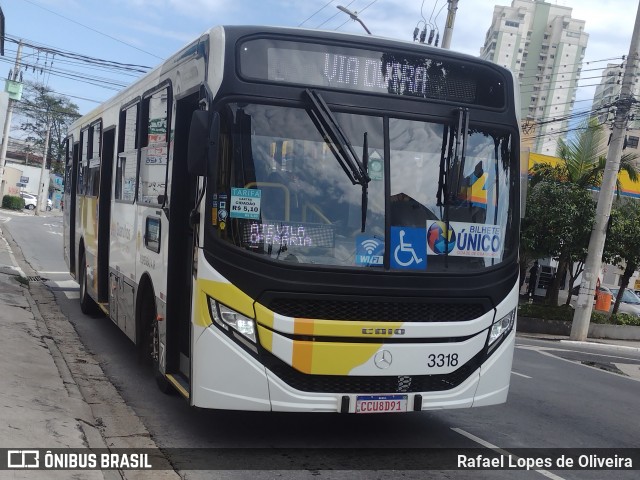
x: 628, y: 345
x: 53, y: 394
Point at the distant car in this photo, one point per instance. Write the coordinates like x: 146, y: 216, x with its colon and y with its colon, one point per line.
x: 30, y: 201
x: 629, y: 304
x: 629, y: 300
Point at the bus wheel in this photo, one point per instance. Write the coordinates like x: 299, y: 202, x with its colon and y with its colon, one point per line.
x: 151, y: 342
x: 87, y: 304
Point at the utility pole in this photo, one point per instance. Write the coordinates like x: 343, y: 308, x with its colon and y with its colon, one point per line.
x: 584, y: 304
x: 448, y: 28
x: 7, y: 121
x: 42, y: 169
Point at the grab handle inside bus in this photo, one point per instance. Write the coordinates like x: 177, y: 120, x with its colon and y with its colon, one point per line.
x: 202, y: 149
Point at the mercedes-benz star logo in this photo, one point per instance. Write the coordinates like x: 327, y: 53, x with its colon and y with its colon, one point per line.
x: 383, y: 359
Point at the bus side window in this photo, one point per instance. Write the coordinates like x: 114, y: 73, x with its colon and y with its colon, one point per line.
x: 127, y: 160
x: 82, y: 164
x: 155, y: 145
x: 92, y: 177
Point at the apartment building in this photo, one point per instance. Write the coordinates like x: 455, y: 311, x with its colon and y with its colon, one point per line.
x: 544, y: 47
x: 604, y: 99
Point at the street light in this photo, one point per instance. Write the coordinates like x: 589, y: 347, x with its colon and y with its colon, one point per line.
x: 354, y: 16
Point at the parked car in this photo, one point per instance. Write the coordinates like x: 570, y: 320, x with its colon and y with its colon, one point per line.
x: 629, y: 304
x: 30, y: 201
x: 630, y: 300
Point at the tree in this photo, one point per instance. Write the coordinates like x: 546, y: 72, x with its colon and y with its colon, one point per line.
x: 558, y: 224
x: 582, y: 165
x: 622, y: 247
x: 40, y: 108
x: 581, y: 161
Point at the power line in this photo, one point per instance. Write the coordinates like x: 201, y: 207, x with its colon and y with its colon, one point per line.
x: 81, y: 57
x: 334, y: 15
x: 359, y: 12
x: 316, y: 12
x: 93, y: 29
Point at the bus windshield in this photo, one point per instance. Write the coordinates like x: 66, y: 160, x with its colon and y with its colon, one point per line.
x: 284, y: 193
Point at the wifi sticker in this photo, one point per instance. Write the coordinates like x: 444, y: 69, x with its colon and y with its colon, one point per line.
x: 369, y: 251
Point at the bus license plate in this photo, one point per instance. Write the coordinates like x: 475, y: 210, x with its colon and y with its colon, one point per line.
x: 381, y: 403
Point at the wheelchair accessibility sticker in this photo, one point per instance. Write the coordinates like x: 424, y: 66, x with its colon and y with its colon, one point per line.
x: 409, y: 248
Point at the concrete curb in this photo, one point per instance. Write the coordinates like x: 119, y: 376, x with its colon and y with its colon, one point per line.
x: 104, y: 418
x: 610, y: 346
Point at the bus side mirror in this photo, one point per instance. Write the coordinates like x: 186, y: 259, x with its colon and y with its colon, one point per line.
x: 202, y: 149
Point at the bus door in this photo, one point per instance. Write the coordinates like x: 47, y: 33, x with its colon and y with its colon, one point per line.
x: 181, y: 241
x: 69, y: 202
x: 104, y: 212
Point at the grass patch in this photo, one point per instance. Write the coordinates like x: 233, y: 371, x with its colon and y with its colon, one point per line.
x: 565, y: 313
x: 545, y: 312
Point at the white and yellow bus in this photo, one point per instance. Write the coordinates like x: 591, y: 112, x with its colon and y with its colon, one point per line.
x: 297, y: 220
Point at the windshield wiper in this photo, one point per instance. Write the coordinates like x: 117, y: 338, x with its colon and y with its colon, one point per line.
x: 338, y: 142
x: 365, y: 185
x: 457, y: 169
x: 445, y: 154
x: 452, y: 160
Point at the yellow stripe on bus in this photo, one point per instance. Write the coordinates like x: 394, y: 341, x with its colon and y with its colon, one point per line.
x: 264, y: 316
x: 225, y: 293
x: 329, y: 358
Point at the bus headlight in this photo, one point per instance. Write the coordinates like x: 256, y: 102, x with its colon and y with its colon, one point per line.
x: 226, y: 317
x: 501, y: 327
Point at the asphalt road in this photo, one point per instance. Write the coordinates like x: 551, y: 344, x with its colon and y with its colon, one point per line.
x: 562, y: 396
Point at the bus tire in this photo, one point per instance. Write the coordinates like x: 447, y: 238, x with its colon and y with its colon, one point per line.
x: 151, y: 341
x: 87, y: 304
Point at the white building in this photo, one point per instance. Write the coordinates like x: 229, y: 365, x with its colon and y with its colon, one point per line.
x: 544, y: 47
x: 604, y: 104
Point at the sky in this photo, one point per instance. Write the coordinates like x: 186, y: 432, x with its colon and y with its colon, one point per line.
x: 144, y: 32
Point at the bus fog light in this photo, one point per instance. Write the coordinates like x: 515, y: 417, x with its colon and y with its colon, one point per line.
x: 226, y: 317
x: 502, y: 327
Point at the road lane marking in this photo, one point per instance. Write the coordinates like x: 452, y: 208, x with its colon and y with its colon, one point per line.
x: 72, y: 295
x: 547, y: 352
x: 501, y: 451
x: 520, y: 374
